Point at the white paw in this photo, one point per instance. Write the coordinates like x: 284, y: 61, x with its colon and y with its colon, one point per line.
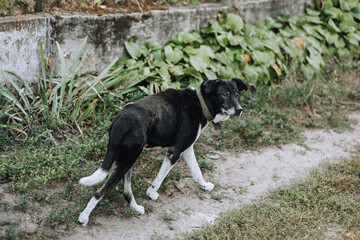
x: 208, y: 186
x: 140, y: 209
x: 83, y: 219
x: 153, y: 195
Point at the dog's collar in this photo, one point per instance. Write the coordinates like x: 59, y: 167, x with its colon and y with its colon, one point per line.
x: 204, y: 107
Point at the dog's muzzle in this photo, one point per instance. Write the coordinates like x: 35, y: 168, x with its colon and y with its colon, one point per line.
x: 238, y: 112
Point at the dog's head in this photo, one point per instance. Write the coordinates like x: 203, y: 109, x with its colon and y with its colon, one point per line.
x: 222, y: 97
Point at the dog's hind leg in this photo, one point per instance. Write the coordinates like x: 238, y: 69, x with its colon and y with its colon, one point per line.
x: 128, y: 194
x: 120, y: 167
x: 189, y: 157
x: 114, y: 178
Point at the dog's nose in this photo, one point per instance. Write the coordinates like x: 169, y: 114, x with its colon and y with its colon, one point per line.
x: 238, y: 111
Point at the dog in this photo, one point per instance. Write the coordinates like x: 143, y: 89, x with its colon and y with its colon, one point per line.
x: 173, y: 119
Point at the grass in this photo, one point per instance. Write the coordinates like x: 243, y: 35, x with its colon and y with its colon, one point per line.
x: 42, y: 168
x: 324, y: 206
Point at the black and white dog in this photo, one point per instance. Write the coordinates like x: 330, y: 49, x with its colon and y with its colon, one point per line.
x: 173, y: 119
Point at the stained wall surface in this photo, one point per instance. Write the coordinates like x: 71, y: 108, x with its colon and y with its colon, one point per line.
x: 21, y: 36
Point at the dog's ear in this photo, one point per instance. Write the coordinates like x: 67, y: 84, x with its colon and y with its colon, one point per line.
x: 209, y: 85
x: 240, y: 85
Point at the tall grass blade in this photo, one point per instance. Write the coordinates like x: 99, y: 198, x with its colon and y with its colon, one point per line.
x: 55, y: 115
x: 42, y: 63
x: 44, y: 102
x: 88, y: 110
x: 21, y: 92
x: 63, y: 81
x: 12, y: 99
x: 28, y: 90
x: 76, y: 67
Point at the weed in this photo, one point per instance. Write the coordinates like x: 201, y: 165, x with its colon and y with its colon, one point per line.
x: 11, y: 233
x: 64, y: 217
x: 168, y: 218
x: 206, y: 166
x: 216, y: 197
x: 23, y: 205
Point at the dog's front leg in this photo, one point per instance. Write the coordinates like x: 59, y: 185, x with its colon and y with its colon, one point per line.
x: 189, y: 157
x: 165, y: 168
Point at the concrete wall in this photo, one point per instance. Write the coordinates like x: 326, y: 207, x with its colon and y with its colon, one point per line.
x: 20, y: 37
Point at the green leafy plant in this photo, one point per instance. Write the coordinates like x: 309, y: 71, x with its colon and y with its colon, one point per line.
x: 67, y: 100
x: 230, y: 47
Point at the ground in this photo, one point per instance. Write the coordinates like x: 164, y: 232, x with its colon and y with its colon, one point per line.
x: 239, y: 178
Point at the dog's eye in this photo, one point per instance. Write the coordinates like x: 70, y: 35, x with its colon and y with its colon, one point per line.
x: 225, y: 94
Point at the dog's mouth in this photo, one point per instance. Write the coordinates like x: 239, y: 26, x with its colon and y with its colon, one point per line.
x: 232, y: 112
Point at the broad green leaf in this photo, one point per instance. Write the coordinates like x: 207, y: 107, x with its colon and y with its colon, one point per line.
x: 200, y: 57
x: 235, y: 40
x: 353, y: 38
x: 234, y: 23
x: 210, y: 74
x: 222, y: 40
x: 195, y: 82
x: 177, y: 70
x: 173, y: 55
x: 164, y: 73
x: 192, y: 72
x: 187, y: 37
x: 130, y: 62
x: 227, y: 72
x: 316, y: 61
x: 347, y: 23
x: 265, y: 58
x: 339, y: 42
x: 158, y: 55
x: 348, y: 5
x: 133, y: 49
x: 250, y: 72
x: 307, y: 70
x: 153, y: 45
x: 214, y: 27
x: 333, y: 26
x: 312, y: 12
x: 313, y: 19
x: 333, y: 12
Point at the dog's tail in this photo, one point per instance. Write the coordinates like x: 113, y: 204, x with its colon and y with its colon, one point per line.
x: 100, y: 174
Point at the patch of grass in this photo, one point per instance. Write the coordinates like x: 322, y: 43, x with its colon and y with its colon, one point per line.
x: 11, y: 233
x: 168, y: 218
x: 206, y: 166
x: 327, y: 199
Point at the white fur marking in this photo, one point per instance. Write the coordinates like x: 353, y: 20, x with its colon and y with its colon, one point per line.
x: 128, y: 191
x: 164, y: 170
x: 98, y: 176
x: 84, y: 215
x: 190, y: 159
x: 220, y: 118
x: 231, y: 111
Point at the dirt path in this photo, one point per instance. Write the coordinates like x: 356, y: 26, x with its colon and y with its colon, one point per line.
x: 238, y: 179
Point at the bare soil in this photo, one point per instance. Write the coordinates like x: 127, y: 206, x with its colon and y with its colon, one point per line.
x: 239, y: 179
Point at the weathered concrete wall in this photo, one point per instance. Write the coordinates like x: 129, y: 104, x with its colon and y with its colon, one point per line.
x: 20, y: 41
x: 20, y: 37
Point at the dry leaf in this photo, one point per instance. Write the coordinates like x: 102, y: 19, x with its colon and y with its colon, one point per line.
x: 300, y: 42
x: 350, y: 235
x: 277, y: 69
x: 248, y: 57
